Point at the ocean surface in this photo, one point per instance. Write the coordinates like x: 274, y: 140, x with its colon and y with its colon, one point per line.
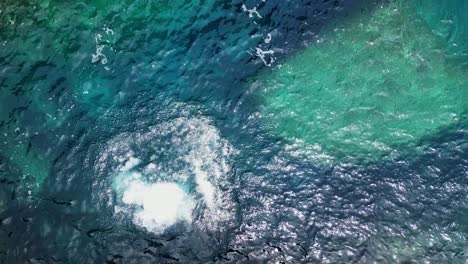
x: 243, y: 131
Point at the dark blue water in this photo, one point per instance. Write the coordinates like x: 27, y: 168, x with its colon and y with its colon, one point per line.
x: 87, y: 86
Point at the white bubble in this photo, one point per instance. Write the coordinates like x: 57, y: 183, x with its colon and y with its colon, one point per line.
x: 187, y: 166
x: 130, y: 164
x: 160, y: 205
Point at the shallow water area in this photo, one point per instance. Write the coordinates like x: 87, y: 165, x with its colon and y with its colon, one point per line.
x: 378, y: 85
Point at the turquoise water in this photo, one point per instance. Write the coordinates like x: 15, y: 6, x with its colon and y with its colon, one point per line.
x: 378, y: 86
x: 233, y: 131
x: 446, y: 20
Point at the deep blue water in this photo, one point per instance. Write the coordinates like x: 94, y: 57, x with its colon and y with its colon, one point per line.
x: 170, y: 88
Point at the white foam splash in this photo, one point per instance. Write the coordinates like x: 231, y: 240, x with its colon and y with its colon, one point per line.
x: 99, y: 55
x: 161, y: 204
x: 161, y: 192
x: 130, y: 164
x: 251, y: 12
x: 262, y: 55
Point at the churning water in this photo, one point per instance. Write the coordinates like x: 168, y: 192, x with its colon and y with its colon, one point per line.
x: 243, y: 131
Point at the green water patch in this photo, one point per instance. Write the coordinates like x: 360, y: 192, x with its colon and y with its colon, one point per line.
x: 447, y: 19
x: 34, y: 167
x: 94, y: 92
x: 368, y: 88
x: 15, y: 144
x: 26, y: 115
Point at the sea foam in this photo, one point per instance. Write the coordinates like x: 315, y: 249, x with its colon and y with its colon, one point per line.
x: 172, y: 173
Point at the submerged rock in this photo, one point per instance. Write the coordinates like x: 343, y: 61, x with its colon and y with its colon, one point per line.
x: 373, y: 86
